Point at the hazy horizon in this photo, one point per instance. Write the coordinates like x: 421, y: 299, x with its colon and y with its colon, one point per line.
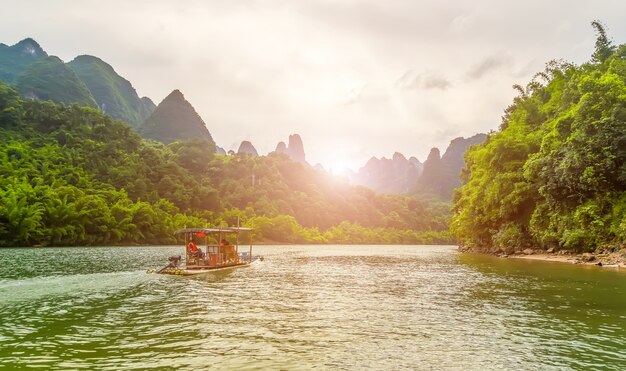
x: 355, y: 80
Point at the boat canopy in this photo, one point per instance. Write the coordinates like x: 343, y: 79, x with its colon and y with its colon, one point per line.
x: 212, y: 230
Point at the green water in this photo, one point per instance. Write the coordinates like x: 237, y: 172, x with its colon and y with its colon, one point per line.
x: 326, y: 307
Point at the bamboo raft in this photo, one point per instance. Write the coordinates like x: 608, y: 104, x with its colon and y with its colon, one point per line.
x: 215, y: 257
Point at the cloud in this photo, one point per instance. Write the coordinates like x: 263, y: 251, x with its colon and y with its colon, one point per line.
x: 488, y: 65
x: 355, y: 95
x: 423, y: 81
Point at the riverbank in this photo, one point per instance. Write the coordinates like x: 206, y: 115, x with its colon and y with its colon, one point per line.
x: 615, y: 259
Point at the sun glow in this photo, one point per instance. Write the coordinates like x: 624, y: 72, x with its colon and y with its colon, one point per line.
x: 339, y: 168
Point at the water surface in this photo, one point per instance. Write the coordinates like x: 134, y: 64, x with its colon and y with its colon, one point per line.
x: 326, y: 307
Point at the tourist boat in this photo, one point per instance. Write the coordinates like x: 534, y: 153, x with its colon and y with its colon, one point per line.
x: 219, y: 253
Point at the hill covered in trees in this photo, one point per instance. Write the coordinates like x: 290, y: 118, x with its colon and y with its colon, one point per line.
x: 86, y: 81
x: 16, y: 58
x: 554, y: 174
x: 71, y: 175
x: 51, y: 79
x: 175, y: 119
x: 115, y: 95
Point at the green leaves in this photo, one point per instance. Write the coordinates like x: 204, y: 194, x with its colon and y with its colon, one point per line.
x: 550, y: 176
x: 20, y: 213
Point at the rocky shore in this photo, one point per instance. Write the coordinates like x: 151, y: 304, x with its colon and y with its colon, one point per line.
x: 603, y: 258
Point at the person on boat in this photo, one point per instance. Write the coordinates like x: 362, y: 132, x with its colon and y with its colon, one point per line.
x: 194, y: 250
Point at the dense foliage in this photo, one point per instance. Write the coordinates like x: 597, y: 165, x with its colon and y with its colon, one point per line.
x: 51, y: 79
x: 70, y: 175
x: 554, y: 175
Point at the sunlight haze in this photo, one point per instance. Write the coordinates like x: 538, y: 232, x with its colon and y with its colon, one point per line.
x: 355, y: 79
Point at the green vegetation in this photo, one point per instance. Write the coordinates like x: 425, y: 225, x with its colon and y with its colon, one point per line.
x: 51, y: 79
x: 554, y: 174
x: 114, y: 94
x: 70, y: 175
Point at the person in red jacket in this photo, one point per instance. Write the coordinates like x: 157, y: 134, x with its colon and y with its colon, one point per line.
x: 194, y: 250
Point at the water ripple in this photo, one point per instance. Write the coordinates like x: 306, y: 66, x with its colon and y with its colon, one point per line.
x: 346, y: 307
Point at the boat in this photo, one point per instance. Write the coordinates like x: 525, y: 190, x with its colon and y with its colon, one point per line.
x: 218, y: 254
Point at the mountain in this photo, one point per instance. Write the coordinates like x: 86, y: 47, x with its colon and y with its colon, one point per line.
x: 51, y: 79
x: 16, y: 58
x: 146, y: 108
x: 114, y: 94
x: 247, y: 148
x: 394, y: 176
x: 175, y: 119
x: 295, y: 148
x: 87, y: 80
x: 435, y: 175
x: 281, y: 147
x: 438, y: 175
x: 219, y: 150
x: 442, y: 174
x: 454, y: 157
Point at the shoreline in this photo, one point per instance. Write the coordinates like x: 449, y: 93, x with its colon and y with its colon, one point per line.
x: 615, y: 259
x: 573, y: 259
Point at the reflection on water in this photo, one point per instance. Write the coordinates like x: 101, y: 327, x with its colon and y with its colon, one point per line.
x: 346, y: 307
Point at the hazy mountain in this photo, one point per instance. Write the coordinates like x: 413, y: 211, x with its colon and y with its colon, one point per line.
x: 219, y: 150
x: 281, y: 147
x: 247, y: 148
x: 435, y: 175
x: 146, y: 108
x: 438, y: 175
x: 16, y: 58
x: 442, y: 174
x: 51, y: 79
x: 175, y: 119
x: 114, y: 94
x: 396, y: 175
x: 454, y: 156
x: 295, y: 148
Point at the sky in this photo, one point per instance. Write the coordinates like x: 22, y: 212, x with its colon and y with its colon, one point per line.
x: 355, y: 79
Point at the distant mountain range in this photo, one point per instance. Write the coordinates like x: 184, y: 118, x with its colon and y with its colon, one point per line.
x: 89, y: 81
x: 437, y: 176
x: 395, y: 175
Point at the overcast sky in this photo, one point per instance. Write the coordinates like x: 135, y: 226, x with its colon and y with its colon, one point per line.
x: 354, y: 78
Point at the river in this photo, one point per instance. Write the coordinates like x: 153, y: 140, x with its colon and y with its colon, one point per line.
x: 325, y: 307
